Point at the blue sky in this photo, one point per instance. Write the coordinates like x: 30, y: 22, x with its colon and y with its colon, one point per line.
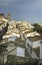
x: 30, y: 10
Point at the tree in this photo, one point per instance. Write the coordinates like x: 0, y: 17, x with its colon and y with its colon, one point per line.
x: 37, y: 28
x: 1, y: 14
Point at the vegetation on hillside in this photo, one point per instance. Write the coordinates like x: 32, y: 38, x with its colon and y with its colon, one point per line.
x: 37, y: 28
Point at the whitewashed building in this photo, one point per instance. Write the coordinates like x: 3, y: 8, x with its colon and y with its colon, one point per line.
x: 33, y: 45
x: 34, y: 39
x: 41, y: 50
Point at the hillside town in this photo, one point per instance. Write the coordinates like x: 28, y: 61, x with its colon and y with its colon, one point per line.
x: 20, y: 41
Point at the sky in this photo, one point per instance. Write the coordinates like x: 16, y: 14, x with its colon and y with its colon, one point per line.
x: 29, y: 10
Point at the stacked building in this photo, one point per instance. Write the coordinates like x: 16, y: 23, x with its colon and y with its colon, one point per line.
x: 24, y: 26
x: 21, y: 40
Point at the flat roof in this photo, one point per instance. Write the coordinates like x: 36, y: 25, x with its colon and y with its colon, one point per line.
x: 35, y: 38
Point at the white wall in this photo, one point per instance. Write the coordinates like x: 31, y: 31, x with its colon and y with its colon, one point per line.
x: 40, y: 51
x: 36, y: 44
x: 20, y: 52
x: 33, y: 44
